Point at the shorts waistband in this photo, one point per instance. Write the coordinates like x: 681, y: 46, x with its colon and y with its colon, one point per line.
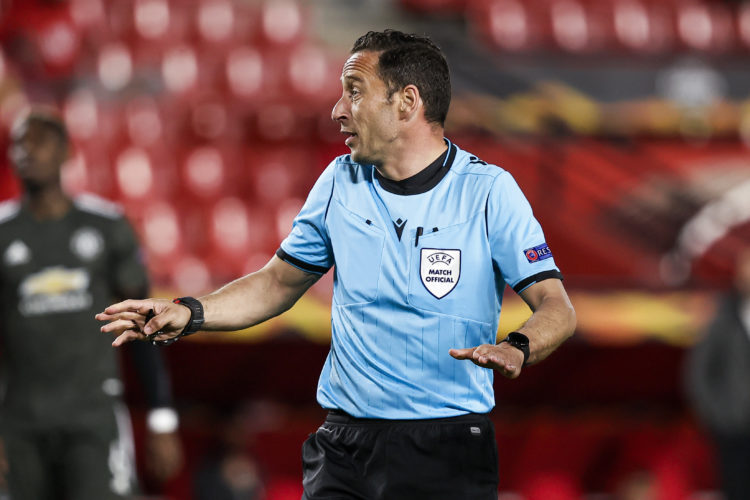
x: 341, y: 417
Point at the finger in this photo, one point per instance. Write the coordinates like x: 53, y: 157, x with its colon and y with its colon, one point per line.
x: 481, y: 356
x: 119, y: 326
x: 462, y: 353
x: 127, y: 336
x: 140, y: 306
x: 158, y: 323
x: 134, y: 316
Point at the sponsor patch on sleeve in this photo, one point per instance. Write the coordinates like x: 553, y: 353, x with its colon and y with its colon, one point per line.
x: 538, y: 253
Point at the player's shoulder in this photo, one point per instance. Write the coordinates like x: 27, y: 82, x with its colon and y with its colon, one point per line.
x: 9, y: 210
x: 97, y: 206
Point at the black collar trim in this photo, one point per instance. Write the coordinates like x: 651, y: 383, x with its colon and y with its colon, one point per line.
x: 425, y: 179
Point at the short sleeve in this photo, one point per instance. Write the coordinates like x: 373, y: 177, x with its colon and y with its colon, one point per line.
x: 308, y: 246
x: 517, y: 242
x: 128, y: 271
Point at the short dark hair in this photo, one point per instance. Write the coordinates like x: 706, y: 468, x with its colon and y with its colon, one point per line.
x: 48, y: 119
x: 407, y: 59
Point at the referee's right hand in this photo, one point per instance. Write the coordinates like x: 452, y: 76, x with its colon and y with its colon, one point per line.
x: 128, y: 320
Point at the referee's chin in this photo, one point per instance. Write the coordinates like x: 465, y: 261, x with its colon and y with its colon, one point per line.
x: 355, y: 155
x: 360, y: 158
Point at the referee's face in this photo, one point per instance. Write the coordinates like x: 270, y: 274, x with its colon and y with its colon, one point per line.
x: 367, y: 116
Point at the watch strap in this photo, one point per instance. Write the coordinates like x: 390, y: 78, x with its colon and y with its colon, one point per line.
x: 520, y: 342
x: 196, y: 315
x: 193, y: 325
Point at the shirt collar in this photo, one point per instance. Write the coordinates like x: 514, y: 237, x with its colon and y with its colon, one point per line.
x: 425, y: 179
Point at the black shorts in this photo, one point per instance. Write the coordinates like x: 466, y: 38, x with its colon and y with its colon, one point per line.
x: 371, y: 459
x: 80, y: 462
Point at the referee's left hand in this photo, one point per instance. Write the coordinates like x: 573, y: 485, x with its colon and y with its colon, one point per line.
x: 504, y: 358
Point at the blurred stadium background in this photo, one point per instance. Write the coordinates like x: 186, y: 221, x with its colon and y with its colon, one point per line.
x: 626, y: 122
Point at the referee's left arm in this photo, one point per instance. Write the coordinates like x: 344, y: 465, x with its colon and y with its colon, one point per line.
x: 553, y: 320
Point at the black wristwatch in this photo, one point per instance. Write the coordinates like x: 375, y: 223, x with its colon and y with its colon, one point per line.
x: 520, y: 342
x: 193, y: 325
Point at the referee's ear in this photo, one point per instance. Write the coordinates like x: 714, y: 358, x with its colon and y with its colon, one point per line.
x: 410, y: 102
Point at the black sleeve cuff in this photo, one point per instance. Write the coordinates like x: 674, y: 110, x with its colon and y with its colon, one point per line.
x: 536, y: 278
x: 310, y: 268
x: 152, y: 374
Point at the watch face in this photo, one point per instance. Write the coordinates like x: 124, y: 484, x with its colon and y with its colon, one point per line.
x: 518, y: 339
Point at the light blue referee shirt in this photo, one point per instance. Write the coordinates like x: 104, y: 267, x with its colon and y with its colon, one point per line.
x: 420, y: 268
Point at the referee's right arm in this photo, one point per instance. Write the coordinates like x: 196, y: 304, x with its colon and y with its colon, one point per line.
x: 244, y: 302
x: 256, y: 297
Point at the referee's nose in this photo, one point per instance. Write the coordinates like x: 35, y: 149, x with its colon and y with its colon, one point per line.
x: 340, y: 112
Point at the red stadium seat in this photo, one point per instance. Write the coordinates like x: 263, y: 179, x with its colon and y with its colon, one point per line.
x: 135, y: 173
x: 143, y: 121
x: 151, y: 19
x: 215, y: 21
x: 142, y: 174
x: 571, y: 25
x: 230, y: 230
x: 191, y: 276
x: 81, y: 114
x: 276, y: 122
x: 162, y: 239
x: 285, y: 214
x: 115, y: 66
x: 59, y: 45
x: 74, y: 174
x: 313, y: 77
x: 633, y: 25
x: 44, y: 35
x: 240, y: 240
x: 244, y: 72
x: 509, y: 25
x: 282, y: 22
x: 210, y: 119
x: 204, y: 172
x: 180, y: 71
x: 100, y: 177
x: 88, y: 15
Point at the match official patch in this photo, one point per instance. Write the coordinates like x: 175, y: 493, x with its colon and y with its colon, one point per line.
x: 440, y: 269
x: 538, y: 253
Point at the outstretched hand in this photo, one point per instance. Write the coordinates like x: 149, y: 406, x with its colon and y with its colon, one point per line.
x: 504, y: 358
x: 128, y: 320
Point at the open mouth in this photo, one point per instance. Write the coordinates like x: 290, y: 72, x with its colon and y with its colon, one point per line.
x: 349, y: 136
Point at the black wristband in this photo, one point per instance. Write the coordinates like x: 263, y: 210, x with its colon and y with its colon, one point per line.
x: 520, y: 342
x: 196, y: 315
x: 193, y: 325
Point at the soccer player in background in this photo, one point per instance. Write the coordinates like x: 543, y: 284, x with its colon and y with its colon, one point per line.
x: 65, y: 430
x: 717, y: 376
x: 424, y: 237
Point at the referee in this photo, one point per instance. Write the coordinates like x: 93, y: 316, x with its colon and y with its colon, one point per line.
x: 424, y: 237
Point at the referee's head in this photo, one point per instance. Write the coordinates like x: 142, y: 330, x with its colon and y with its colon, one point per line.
x: 406, y: 59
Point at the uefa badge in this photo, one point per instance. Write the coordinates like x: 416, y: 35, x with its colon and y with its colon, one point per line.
x: 439, y: 270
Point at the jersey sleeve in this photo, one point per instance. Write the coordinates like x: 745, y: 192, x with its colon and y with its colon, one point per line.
x: 308, y: 246
x: 127, y: 270
x: 517, y: 242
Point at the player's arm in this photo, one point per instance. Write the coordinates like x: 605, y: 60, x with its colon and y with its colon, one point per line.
x: 244, y: 302
x: 552, y: 321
